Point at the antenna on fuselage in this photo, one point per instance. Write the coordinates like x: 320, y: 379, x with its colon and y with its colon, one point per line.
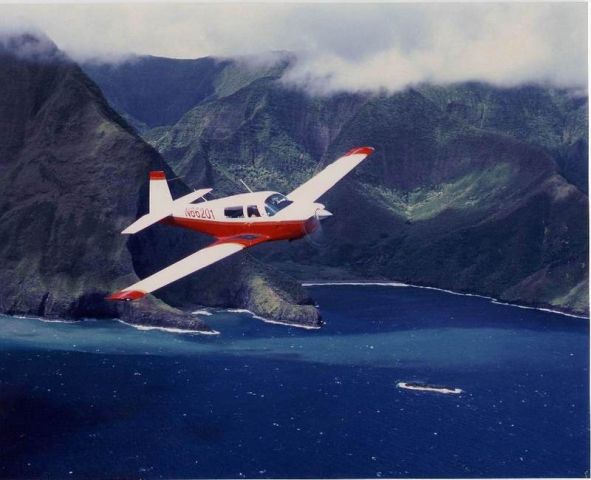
x: 247, y: 187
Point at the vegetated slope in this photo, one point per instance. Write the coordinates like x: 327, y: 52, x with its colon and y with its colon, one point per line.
x: 466, y: 190
x: 555, y: 119
x: 73, y: 175
x: 153, y: 91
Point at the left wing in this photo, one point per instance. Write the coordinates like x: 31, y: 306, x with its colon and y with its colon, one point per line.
x: 202, y: 258
x: 314, y: 188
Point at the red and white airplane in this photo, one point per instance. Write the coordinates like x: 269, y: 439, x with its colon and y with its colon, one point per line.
x: 237, y: 222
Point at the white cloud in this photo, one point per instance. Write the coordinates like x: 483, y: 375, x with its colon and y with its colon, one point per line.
x: 505, y: 44
x: 339, y: 46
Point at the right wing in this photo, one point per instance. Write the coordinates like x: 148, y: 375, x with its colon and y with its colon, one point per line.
x: 202, y: 258
x: 314, y: 188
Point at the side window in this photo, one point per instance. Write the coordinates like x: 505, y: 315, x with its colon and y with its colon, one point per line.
x: 234, y: 212
x: 252, y: 211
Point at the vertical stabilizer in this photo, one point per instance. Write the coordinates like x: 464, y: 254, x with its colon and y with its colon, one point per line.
x: 160, y: 198
x: 161, y: 203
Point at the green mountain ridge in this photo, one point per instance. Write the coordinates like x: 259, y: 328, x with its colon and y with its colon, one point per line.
x: 472, y: 187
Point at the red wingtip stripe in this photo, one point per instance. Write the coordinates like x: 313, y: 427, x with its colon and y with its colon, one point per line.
x: 157, y: 175
x: 360, y: 151
x: 126, y: 295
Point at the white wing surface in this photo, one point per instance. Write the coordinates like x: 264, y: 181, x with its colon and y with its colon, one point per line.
x: 182, y: 268
x: 145, y: 221
x: 327, y: 178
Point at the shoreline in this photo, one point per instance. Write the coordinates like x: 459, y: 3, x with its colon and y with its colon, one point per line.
x: 312, y: 283
x: 267, y: 320
x: 41, y: 319
x: 400, y: 284
x: 118, y: 320
x: 146, y: 328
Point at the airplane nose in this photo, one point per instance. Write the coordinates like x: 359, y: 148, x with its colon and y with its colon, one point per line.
x: 323, y: 213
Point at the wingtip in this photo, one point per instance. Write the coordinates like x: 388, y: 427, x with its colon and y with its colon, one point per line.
x: 126, y: 295
x: 360, y: 151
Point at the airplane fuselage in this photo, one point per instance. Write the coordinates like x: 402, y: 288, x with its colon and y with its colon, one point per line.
x: 257, y: 213
x: 236, y: 222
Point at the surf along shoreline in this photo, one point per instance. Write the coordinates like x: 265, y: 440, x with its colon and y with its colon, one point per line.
x: 315, y: 283
x: 385, y: 283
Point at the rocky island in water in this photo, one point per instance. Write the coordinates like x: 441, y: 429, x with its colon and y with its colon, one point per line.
x: 425, y: 387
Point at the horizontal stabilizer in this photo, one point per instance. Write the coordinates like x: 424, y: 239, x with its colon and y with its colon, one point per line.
x: 146, y: 221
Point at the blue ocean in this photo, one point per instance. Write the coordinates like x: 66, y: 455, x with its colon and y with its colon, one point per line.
x: 100, y: 399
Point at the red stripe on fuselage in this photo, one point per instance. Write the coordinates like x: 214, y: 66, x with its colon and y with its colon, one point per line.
x: 287, y: 230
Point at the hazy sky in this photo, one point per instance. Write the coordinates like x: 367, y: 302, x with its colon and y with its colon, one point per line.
x: 340, y: 46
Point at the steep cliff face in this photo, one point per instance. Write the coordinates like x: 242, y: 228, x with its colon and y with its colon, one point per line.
x: 72, y: 176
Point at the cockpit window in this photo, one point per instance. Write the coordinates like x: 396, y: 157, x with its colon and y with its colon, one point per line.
x: 275, y: 203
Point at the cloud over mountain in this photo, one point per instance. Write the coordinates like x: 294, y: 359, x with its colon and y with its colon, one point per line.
x: 339, y: 46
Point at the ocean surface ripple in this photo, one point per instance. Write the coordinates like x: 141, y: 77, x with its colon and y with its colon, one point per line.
x: 99, y: 399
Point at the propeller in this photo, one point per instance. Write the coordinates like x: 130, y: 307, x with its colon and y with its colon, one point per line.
x: 314, y: 230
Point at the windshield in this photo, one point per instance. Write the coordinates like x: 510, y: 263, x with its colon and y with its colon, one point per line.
x: 275, y: 203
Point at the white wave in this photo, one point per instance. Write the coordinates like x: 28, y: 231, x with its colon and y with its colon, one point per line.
x: 305, y: 327
x: 169, y: 330
x: 498, y: 302
x: 356, y: 284
x: 52, y: 320
x: 391, y: 284
x: 201, y: 312
x: 45, y: 320
x: 268, y: 320
x: 452, y: 292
